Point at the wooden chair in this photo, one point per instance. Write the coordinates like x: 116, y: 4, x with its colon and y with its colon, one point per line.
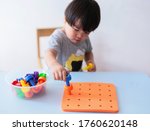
x: 43, y: 32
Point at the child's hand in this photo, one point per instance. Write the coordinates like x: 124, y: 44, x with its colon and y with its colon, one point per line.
x: 59, y: 72
x: 93, y: 67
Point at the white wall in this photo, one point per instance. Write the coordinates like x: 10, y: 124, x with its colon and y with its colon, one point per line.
x: 19, y: 20
x: 121, y: 43
x: 123, y: 38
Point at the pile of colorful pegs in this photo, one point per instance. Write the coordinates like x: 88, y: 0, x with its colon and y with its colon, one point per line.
x: 31, y: 84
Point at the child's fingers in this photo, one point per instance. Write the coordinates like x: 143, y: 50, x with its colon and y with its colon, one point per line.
x: 56, y: 76
x: 64, y: 75
x: 60, y: 75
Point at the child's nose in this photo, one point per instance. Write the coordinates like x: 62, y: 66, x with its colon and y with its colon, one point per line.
x: 79, y: 35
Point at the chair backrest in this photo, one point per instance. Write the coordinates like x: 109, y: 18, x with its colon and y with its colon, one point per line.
x: 42, y: 32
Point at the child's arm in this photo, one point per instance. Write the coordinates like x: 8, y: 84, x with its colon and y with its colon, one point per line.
x: 59, y: 72
x: 89, y: 58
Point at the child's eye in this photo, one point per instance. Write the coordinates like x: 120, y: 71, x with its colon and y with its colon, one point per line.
x: 87, y: 32
x: 76, y: 29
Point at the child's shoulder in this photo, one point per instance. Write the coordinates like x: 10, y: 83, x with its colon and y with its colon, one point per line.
x: 58, y: 32
x: 57, y: 36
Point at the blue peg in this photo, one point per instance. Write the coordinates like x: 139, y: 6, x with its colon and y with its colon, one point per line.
x: 29, y: 78
x: 68, y: 78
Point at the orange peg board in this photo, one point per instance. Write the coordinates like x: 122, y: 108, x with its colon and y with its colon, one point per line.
x: 90, y: 97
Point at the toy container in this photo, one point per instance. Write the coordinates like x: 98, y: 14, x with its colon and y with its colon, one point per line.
x: 27, y: 84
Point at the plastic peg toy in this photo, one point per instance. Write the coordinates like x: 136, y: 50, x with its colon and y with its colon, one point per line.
x: 88, y: 67
x: 28, y: 94
x: 25, y: 86
x: 18, y: 90
x: 42, y: 75
x: 29, y: 78
x: 36, y: 74
x: 68, y: 86
x: 41, y: 80
x: 37, y: 89
x: 29, y: 85
x: 19, y: 79
x: 16, y: 83
x: 68, y: 78
x: 23, y: 83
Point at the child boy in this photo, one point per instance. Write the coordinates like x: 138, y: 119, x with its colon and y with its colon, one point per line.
x: 70, y: 45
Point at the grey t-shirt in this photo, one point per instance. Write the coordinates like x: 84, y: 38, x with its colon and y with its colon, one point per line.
x: 69, y: 55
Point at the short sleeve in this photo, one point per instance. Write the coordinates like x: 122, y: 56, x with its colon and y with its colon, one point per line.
x: 54, y: 43
x: 89, y: 46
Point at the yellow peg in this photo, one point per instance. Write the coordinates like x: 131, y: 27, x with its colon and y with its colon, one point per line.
x: 89, y: 66
x: 25, y: 86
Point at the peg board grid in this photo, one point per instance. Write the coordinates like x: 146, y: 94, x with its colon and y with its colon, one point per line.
x: 91, y: 97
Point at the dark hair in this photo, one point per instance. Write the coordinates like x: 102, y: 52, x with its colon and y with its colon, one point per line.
x: 87, y: 11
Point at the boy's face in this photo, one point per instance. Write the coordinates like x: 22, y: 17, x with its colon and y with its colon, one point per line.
x: 75, y: 33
